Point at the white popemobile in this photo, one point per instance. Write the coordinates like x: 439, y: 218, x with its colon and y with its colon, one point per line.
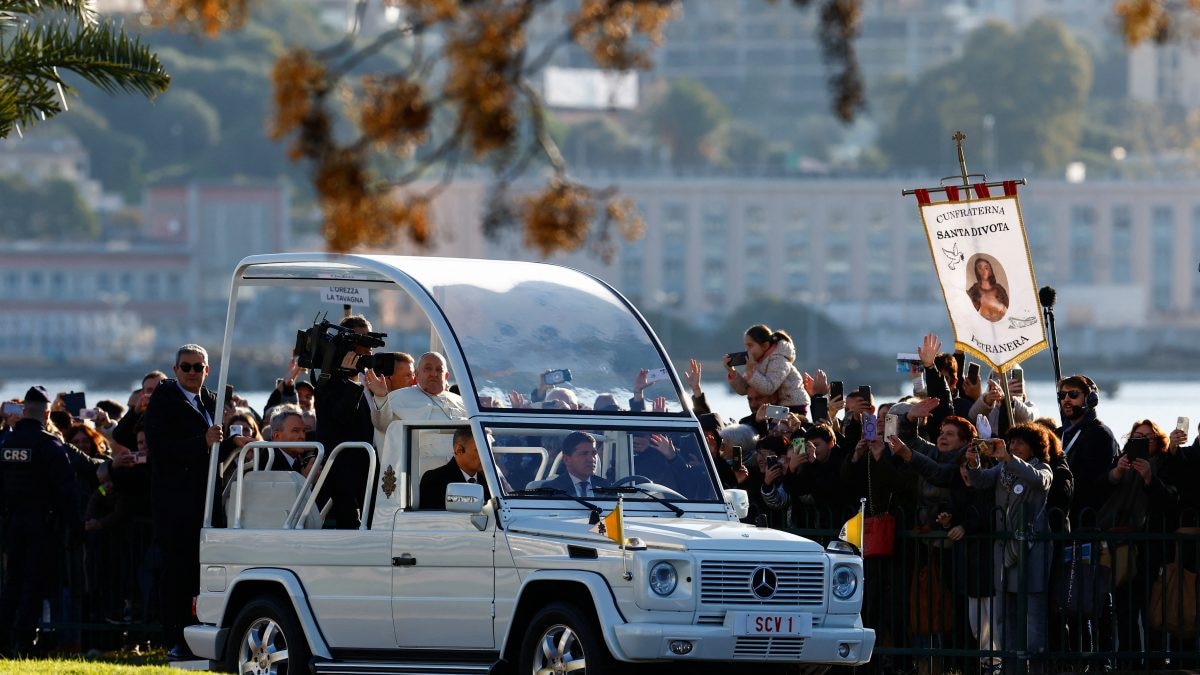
x: 523, y: 580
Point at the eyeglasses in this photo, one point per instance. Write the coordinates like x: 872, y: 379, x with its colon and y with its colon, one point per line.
x: 185, y: 367
x: 1073, y: 393
x: 1139, y: 435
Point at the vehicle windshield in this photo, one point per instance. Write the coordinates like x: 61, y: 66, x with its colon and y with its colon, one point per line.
x: 530, y: 329
x: 538, y: 462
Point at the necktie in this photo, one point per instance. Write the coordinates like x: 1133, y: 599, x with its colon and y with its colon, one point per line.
x: 583, y: 488
x: 472, y: 480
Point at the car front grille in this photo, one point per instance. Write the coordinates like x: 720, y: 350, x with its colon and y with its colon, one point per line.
x: 728, y: 582
x: 775, y: 647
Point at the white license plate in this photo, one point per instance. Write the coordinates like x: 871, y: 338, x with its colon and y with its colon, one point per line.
x: 772, y: 623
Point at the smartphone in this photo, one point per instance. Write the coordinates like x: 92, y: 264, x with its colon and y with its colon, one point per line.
x: 1182, y: 424
x: 865, y: 390
x: 738, y: 456
x: 891, y: 426
x: 87, y: 414
x: 12, y: 408
x: 973, y: 372
x: 229, y: 394
x: 738, y: 358
x: 1017, y: 376
x: 800, y: 446
x: 904, y: 361
x: 835, y: 389
x: 777, y: 412
x: 74, y: 402
x: 772, y: 460
x: 982, y: 447
x: 870, y: 426
x: 819, y: 408
x: 1137, y: 448
x: 236, y: 429
x: 557, y: 376
x: 139, y: 457
x: 655, y: 374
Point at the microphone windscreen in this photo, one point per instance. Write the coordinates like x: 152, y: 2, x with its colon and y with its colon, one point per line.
x: 1047, y: 296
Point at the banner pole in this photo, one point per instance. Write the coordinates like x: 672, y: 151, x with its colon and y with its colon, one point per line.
x: 958, y: 139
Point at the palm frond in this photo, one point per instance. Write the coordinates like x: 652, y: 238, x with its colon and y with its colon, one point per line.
x: 103, y: 55
x: 27, y: 104
x: 81, y: 10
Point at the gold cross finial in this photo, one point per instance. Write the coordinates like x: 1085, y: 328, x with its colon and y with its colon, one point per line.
x: 958, y: 138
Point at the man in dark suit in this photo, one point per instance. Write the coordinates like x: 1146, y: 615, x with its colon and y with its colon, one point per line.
x: 579, y: 461
x: 181, y: 427
x: 287, y: 426
x: 464, y: 467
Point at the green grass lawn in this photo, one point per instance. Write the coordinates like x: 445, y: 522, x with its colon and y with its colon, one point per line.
x: 120, y: 662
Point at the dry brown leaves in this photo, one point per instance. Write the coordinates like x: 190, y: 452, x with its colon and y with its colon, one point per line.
x: 393, y: 113
x: 1142, y: 20
x: 209, y: 16
x: 485, y: 68
x: 607, y: 30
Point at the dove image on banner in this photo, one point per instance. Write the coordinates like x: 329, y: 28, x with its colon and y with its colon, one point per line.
x: 982, y: 259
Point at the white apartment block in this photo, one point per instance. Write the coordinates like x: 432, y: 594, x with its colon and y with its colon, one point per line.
x: 1120, y: 254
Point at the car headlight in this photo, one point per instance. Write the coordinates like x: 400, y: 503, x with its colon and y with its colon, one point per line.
x: 663, y: 578
x: 844, y: 582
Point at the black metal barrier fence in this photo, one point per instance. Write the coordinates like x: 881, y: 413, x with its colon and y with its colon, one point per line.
x: 1073, y: 600
x: 1086, y: 598
x: 102, y: 592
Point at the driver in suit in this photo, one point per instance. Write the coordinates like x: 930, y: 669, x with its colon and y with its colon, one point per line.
x: 579, y: 459
x: 464, y: 467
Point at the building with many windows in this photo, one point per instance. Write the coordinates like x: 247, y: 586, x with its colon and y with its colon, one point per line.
x: 128, y: 300
x: 1122, y: 255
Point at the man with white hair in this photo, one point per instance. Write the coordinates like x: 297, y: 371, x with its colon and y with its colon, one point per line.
x: 429, y: 399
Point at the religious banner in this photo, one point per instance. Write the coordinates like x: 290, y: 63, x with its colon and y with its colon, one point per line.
x: 982, y: 259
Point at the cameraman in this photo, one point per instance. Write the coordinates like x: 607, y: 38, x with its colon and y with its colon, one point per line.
x: 343, y: 411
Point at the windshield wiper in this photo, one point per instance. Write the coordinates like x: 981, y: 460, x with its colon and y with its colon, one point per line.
x: 626, y: 489
x: 548, y: 491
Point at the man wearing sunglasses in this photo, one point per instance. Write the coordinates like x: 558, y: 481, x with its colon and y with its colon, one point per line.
x: 181, y: 426
x: 1089, y: 445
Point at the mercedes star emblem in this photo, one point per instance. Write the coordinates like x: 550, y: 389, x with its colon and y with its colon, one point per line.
x: 764, y: 583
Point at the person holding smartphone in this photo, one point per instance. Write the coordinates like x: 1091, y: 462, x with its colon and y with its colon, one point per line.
x: 1020, y: 480
x: 1145, y: 498
x: 990, y: 403
x: 819, y: 498
x: 770, y: 368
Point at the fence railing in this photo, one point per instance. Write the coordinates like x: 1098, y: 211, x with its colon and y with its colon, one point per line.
x: 1074, y: 599
x: 1124, y: 599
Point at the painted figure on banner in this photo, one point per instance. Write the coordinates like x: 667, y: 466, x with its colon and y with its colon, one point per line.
x: 988, y: 294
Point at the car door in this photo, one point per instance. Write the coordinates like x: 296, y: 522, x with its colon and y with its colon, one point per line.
x: 443, y: 579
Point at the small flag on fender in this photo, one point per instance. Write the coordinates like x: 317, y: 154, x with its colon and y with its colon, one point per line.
x: 852, y: 531
x: 613, y: 525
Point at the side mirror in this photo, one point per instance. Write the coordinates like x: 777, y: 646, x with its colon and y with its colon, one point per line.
x: 739, y: 500
x: 464, y: 497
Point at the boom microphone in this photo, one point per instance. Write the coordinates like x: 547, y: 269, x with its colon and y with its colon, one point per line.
x: 1047, y: 296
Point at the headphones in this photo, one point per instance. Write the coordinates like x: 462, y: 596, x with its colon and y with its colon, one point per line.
x: 1093, y: 395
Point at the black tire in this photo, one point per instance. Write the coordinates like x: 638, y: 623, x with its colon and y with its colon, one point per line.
x: 267, y: 640
x: 562, y: 634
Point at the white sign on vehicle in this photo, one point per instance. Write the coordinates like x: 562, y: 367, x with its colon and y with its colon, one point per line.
x: 773, y: 623
x: 346, y: 295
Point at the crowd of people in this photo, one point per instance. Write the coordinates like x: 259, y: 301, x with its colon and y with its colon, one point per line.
x: 977, y: 481
x: 1006, y: 510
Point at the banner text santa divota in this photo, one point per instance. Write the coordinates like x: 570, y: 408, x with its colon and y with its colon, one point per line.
x: 983, y: 265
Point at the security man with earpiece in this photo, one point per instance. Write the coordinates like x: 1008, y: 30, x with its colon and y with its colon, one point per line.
x: 1089, y: 445
x: 40, y: 500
